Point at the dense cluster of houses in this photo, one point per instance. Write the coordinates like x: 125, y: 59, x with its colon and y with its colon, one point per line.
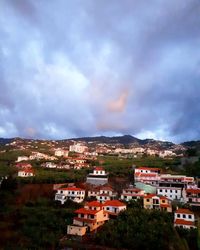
x: 106, y: 203
x: 24, y: 170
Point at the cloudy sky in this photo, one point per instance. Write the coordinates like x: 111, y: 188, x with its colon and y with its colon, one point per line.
x: 71, y: 68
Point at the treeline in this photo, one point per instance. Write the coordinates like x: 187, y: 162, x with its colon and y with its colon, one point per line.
x: 145, y: 229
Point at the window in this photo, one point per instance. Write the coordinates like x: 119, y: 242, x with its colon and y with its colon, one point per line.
x: 190, y: 216
x: 82, y: 215
x: 108, y: 208
x: 170, y: 191
x: 178, y: 216
x: 161, y: 190
x: 147, y: 200
x: 176, y: 191
x: 165, y: 190
x: 184, y: 216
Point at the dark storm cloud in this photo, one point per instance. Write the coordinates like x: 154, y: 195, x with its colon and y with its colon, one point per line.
x: 75, y: 68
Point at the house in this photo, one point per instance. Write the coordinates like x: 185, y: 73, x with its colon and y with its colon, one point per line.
x: 114, y: 207
x: 192, y: 196
x: 23, y: 165
x: 98, y: 177
x: 50, y: 165
x: 106, y: 193
x: 132, y: 193
x: 78, y: 148
x: 88, y: 219
x: 72, y: 193
x: 61, y: 152
x: 152, y: 201
x: 184, y: 218
x: 93, y: 192
x: 26, y: 172
x: 147, y: 175
x: 22, y: 158
x: 172, y: 193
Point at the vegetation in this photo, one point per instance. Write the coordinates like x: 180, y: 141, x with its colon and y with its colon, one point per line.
x: 142, y: 229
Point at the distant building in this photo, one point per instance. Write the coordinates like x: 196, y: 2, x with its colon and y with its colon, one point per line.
x: 184, y: 218
x: 98, y: 177
x: 106, y: 193
x: 132, y: 194
x: 172, y: 193
x: 72, y: 193
x: 22, y: 158
x: 147, y: 175
x: 25, y: 173
x: 192, y: 196
x: 61, y: 153
x: 78, y: 148
x: 152, y: 201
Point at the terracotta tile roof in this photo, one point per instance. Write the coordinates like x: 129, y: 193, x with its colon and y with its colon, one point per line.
x: 26, y: 171
x: 183, y: 211
x: 106, y: 188
x: 193, y: 191
x: 164, y: 205
x: 148, y: 174
x: 114, y: 203
x: 183, y: 222
x: 99, y: 168
x: 94, y: 204
x: 71, y: 189
x: 149, y: 196
x: 86, y: 211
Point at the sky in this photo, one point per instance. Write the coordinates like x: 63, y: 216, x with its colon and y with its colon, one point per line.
x: 73, y: 68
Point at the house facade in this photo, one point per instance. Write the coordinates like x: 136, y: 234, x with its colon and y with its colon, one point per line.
x: 132, y: 194
x: 72, y: 193
x: 88, y: 219
x: 184, y: 218
x: 98, y: 177
x: 152, y: 201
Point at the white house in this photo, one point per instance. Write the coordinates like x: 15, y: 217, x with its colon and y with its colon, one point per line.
x: 25, y: 172
x: 50, y: 165
x: 72, y: 193
x: 22, y: 158
x: 61, y: 152
x: 132, y: 194
x: 78, y: 148
x: 106, y: 193
x: 98, y: 177
x: 114, y: 207
x: 184, y: 218
x: 172, y: 193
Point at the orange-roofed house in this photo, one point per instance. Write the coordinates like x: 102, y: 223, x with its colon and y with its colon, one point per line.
x: 152, y: 201
x: 192, y: 196
x: 72, y: 193
x: 106, y: 193
x: 184, y: 218
x: 26, y: 172
x: 132, y: 193
x: 114, y: 207
x: 98, y: 177
x: 147, y: 175
x: 88, y: 219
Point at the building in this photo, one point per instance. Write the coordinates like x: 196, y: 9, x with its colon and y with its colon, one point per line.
x: 61, y: 153
x: 114, y: 207
x: 106, y: 193
x: 98, y: 177
x: 152, y: 201
x: 172, y: 193
x: 147, y: 175
x: 49, y: 165
x: 88, y: 219
x: 184, y: 218
x: 70, y: 193
x: 22, y: 158
x: 132, y: 194
x: 25, y: 172
x: 78, y: 148
x: 192, y: 196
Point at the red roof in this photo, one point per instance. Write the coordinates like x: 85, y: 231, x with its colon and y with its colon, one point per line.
x: 149, y: 196
x: 86, y: 211
x: 164, y: 205
x: 99, y: 168
x: 183, y: 222
x: 183, y: 211
x: 148, y: 175
x: 193, y: 191
x: 106, y: 188
x: 71, y: 189
x: 26, y: 171
x: 94, y: 204
x: 114, y: 203
x: 23, y: 164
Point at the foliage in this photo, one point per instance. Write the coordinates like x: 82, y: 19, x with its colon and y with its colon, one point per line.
x: 141, y: 229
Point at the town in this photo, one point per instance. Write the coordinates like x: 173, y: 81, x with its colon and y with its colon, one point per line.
x: 101, y: 192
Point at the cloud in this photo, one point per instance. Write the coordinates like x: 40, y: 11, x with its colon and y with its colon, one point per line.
x: 81, y: 68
